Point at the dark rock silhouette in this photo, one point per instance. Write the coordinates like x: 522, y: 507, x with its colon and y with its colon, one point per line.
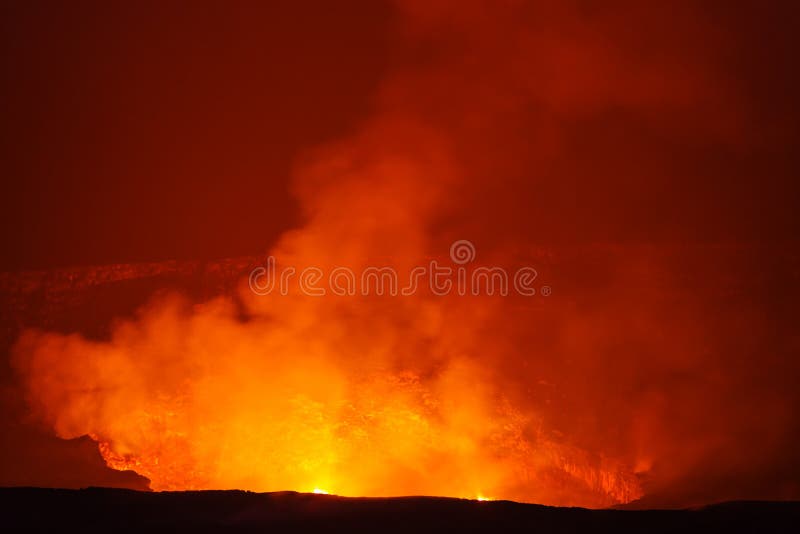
x: 116, y: 510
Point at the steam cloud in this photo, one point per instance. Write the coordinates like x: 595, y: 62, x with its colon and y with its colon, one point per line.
x: 511, y: 132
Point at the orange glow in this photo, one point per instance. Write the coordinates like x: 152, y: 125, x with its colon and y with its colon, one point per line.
x: 640, y: 156
x: 465, y: 396
x: 193, y: 398
x: 363, y: 396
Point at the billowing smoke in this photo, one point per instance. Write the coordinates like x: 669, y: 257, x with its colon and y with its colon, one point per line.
x: 545, y: 135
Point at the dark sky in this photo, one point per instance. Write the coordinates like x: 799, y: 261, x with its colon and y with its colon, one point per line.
x: 148, y: 131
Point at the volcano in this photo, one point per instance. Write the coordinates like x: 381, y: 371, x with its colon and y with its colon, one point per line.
x: 295, y: 263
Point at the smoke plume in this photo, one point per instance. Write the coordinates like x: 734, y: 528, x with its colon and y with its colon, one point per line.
x: 555, y: 135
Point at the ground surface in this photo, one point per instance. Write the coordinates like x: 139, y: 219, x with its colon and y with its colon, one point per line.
x: 116, y: 510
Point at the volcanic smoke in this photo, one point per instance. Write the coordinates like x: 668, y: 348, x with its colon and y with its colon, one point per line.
x: 581, y: 398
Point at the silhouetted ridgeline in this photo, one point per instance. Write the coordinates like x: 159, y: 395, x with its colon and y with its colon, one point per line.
x: 114, y: 510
